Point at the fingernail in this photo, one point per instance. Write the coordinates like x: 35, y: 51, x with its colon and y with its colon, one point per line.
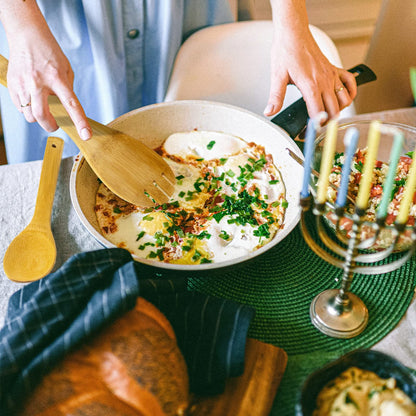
x: 269, y: 109
x: 85, y: 133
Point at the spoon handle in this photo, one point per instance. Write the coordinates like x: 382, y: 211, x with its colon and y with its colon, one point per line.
x: 48, y: 179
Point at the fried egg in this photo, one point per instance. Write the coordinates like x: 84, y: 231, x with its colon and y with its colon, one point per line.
x: 229, y: 200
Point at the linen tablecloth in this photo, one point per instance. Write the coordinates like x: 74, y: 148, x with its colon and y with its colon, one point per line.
x: 18, y: 187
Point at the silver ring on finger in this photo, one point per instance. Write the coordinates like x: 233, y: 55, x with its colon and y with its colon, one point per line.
x: 26, y: 105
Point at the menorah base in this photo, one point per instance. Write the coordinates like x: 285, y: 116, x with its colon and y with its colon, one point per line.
x: 336, y: 317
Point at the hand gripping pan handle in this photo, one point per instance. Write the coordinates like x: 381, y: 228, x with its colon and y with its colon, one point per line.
x: 293, y: 119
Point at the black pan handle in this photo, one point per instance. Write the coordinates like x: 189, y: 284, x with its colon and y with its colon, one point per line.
x: 293, y: 118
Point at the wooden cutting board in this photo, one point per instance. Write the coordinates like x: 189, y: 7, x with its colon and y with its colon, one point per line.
x: 252, y: 393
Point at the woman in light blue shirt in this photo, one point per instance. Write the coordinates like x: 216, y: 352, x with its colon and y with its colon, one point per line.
x: 122, y: 51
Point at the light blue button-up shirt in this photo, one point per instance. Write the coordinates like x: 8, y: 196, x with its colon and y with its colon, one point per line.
x: 121, y: 51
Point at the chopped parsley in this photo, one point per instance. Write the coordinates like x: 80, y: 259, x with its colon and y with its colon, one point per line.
x: 359, y: 166
x: 158, y: 254
x: 203, y: 234
x: 397, y: 185
x: 197, y: 255
x: 337, y: 161
x: 161, y: 239
x: 205, y: 260
x: 262, y: 231
x: 224, y: 235
x: 210, y: 145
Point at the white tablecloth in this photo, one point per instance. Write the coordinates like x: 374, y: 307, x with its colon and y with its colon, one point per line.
x: 18, y: 189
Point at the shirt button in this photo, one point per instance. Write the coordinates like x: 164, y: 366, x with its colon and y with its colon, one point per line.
x: 133, y: 33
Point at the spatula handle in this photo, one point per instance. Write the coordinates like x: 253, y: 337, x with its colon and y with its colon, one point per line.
x: 91, y: 149
x: 48, y: 179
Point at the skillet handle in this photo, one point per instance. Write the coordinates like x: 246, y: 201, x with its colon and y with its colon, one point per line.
x: 293, y: 119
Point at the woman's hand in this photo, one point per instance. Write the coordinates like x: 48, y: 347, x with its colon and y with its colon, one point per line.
x: 38, y: 68
x: 297, y: 59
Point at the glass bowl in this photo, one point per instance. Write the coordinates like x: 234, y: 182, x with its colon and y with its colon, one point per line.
x: 387, y: 233
x: 382, y: 364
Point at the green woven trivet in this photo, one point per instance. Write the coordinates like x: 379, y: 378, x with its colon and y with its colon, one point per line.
x: 281, y: 284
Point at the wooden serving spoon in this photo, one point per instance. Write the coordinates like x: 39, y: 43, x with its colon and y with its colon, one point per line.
x: 32, y: 254
x: 127, y: 166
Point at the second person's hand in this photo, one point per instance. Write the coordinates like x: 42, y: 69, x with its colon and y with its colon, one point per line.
x: 296, y: 59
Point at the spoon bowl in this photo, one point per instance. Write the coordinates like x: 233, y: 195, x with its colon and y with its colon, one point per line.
x: 39, y: 246
x: 32, y: 253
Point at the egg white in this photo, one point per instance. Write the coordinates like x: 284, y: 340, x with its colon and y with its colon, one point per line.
x: 191, y: 155
x: 206, y: 145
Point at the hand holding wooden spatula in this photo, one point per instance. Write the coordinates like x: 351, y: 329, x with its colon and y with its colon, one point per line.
x: 128, y: 167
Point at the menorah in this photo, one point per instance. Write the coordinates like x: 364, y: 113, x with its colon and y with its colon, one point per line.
x: 344, y: 237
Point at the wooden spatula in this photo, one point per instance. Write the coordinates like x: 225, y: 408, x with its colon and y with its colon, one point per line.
x: 127, y: 166
x: 32, y: 253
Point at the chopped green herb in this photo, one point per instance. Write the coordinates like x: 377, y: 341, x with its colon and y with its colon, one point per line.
x: 161, y: 239
x: 203, y: 234
x: 140, y: 235
x: 148, y: 218
x: 210, y: 145
x: 196, y: 256
x: 262, y: 231
x: 117, y: 210
x: 205, y: 260
x: 224, y: 235
x: 274, y: 181
x: 158, y: 254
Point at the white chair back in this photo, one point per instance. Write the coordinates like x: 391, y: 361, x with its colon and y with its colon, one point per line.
x: 391, y: 53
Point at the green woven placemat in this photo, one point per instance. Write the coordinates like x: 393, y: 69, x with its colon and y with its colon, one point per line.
x: 281, y: 284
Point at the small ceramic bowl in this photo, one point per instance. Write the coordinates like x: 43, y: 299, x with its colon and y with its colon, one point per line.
x: 388, y: 131
x: 383, y: 365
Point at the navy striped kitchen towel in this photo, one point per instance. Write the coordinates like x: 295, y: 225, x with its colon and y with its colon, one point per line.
x: 48, y: 318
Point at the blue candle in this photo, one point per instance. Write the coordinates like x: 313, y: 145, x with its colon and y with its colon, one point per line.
x: 310, y: 136
x: 350, y: 143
